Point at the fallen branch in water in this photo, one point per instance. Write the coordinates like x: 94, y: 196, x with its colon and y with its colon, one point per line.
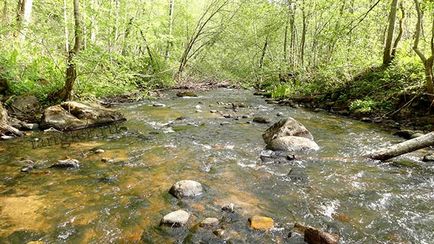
x: 403, y: 147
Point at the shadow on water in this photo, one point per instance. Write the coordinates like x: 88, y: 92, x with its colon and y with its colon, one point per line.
x: 121, y: 194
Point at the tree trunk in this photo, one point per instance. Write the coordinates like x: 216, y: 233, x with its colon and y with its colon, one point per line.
x: 401, y: 30
x: 65, y: 19
x: 293, y: 35
x: 212, y: 10
x: 427, y: 62
x: 5, y: 18
x: 71, y: 72
x: 387, y: 54
x: 126, y: 35
x: 116, y: 25
x: 93, y: 25
x: 404, y: 147
x: 264, y: 51
x: 169, y: 41
x: 24, y: 14
x: 303, y: 34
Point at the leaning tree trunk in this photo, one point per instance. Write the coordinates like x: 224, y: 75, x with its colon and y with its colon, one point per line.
x: 387, y: 52
x: 404, y: 147
x: 5, y: 127
x: 71, y: 71
x: 169, y: 41
x: 428, y: 62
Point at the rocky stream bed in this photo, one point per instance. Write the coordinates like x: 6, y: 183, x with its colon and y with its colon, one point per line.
x: 195, y: 170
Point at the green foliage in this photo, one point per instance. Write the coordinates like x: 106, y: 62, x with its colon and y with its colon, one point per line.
x: 362, y: 106
x: 281, y: 91
x: 248, y: 42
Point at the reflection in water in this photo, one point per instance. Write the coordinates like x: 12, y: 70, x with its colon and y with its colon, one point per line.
x: 121, y: 193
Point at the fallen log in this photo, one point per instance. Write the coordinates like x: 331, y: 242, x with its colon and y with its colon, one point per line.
x: 403, y: 147
x: 5, y: 127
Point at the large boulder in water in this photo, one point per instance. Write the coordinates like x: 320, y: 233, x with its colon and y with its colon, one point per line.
x: 74, y: 116
x: 292, y: 144
x: 289, y: 135
x: 286, y: 127
x: 186, y: 188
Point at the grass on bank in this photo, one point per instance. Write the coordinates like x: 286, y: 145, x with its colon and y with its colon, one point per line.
x: 375, y: 91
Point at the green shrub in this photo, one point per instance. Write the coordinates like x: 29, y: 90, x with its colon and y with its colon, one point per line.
x: 362, y: 106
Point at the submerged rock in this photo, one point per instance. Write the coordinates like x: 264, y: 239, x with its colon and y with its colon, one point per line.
x: 186, y: 188
x: 5, y: 138
x: 408, y: 134
x: 176, y: 219
x: 428, y: 158
x: 292, y: 144
x: 315, y: 236
x: 261, y: 223
x: 186, y: 94
x: 261, y: 120
x: 74, y: 115
x: 159, y: 105
x: 298, y: 174
x: 269, y: 156
x: 66, y: 164
x: 209, y: 222
x: 30, y: 165
x: 230, y: 208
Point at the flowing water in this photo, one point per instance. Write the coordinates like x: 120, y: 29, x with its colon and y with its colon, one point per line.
x: 122, y: 200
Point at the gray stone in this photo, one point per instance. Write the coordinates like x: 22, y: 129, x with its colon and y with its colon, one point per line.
x: 186, y: 188
x: 279, y: 114
x: 176, y: 219
x: 31, y: 126
x: 186, y: 94
x: 209, y: 222
x: 66, y: 164
x: 428, y: 158
x: 23, y: 125
x: 278, y: 157
x: 298, y: 174
x: 286, y: 127
x: 4, y: 137
x: 213, y: 111
x: 229, y: 208
x: 159, y: 105
x: 313, y: 236
x: 73, y: 116
x: 292, y: 144
x: 261, y: 120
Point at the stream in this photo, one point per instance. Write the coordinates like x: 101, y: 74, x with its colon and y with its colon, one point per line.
x: 122, y: 198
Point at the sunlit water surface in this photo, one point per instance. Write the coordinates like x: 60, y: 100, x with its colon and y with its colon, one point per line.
x: 124, y: 199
